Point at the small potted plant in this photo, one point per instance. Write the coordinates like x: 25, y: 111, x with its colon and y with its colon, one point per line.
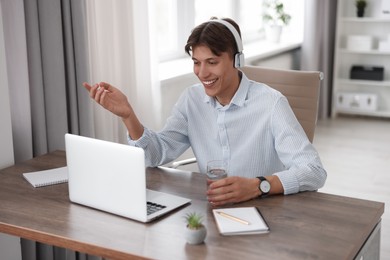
x: 274, y: 18
x: 360, y: 7
x: 195, y: 230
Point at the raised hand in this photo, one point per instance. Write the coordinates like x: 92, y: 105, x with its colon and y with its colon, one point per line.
x: 110, y: 98
x: 116, y: 102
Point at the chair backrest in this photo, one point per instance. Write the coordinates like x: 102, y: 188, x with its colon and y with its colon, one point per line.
x: 301, y: 88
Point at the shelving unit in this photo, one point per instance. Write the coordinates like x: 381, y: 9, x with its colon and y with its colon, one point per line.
x: 373, y: 24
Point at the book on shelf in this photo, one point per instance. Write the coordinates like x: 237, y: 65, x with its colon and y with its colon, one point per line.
x: 240, y: 221
x: 47, y: 177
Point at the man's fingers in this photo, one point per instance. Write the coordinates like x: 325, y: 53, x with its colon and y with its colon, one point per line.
x: 87, y: 86
x: 106, y: 86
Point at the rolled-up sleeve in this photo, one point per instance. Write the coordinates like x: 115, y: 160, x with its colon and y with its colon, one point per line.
x: 304, y: 170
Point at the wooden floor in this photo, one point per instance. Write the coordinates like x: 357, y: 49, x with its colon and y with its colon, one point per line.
x: 356, y: 154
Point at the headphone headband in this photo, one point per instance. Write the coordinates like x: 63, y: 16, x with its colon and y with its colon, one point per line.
x: 239, y: 59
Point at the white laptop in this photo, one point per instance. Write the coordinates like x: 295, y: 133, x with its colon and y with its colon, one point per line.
x: 111, y: 177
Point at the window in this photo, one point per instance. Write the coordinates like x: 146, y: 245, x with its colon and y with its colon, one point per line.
x: 164, y: 20
x: 173, y: 20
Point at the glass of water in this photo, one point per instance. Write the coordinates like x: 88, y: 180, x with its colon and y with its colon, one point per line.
x: 216, y: 170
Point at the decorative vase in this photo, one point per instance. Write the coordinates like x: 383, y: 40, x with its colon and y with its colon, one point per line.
x: 360, y: 12
x: 273, y: 33
x: 195, y: 236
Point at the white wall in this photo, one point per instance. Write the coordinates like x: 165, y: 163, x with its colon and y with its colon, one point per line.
x: 286, y: 60
x: 10, y: 248
x: 9, y: 245
x: 171, y: 90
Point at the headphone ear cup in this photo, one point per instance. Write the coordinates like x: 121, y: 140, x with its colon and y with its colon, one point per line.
x: 239, y: 60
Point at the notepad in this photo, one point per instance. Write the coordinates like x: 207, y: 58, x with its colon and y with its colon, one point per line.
x: 240, y: 221
x: 47, y: 177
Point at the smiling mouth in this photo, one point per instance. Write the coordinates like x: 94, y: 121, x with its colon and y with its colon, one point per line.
x: 208, y: 83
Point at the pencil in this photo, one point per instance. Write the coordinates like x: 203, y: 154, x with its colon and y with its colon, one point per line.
x: 223, y: 214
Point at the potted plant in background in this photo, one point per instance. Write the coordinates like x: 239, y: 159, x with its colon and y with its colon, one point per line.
x: 195, y: 230
x: 360, y: 7
x: 274, y: 17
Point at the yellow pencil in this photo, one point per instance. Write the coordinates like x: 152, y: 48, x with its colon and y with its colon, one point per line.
x: 223, y: 214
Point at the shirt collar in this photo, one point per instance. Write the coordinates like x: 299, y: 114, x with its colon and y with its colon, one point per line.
x: 238, y: 98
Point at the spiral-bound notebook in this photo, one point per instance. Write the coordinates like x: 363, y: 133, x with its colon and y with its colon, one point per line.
x: 47, y: 177
x: 240, y: 221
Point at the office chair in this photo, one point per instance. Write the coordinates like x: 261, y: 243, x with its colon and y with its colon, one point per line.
x: 301, y: 88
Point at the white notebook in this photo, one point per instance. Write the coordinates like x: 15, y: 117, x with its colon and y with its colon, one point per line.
x: 240, y: 221
x: 47, y: 177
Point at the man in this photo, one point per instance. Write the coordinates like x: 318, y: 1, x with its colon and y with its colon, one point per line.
x: 227, y: 117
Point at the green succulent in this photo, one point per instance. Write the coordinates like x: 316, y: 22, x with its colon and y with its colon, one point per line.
x: 360, y: 4
x: 275, y: 14
x: 194, y: 220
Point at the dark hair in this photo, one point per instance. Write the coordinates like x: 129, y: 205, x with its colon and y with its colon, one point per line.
x: 215, y: 36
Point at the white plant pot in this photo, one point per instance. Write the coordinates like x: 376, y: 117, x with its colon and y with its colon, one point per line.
x: 195, y: 236
x: 273, y: 33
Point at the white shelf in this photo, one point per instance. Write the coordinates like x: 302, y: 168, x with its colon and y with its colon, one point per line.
x: 384, y: 83
x: 366, y: 19
x: 378, y: 113
x: 373, y: 52
x: 376, y: 26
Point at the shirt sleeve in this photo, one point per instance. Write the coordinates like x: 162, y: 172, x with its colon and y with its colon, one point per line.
x: 166, y: 145
x: 304, y: 170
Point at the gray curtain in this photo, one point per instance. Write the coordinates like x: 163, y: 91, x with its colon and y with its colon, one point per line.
x: 57, y: 65
x: 318, y: 47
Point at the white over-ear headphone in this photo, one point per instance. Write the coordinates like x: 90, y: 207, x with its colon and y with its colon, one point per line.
x: 239, y: 58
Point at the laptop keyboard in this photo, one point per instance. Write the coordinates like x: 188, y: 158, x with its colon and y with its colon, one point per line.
x: 153, y: 207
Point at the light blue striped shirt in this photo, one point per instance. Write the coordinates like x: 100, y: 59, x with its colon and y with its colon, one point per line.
x: 257, y: 134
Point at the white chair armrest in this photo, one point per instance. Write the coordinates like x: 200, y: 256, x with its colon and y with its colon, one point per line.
x: 177, y: 164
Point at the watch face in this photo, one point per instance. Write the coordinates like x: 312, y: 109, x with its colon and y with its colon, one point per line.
x: 265, y: 186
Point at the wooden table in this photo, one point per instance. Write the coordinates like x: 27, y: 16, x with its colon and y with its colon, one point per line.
x: 309, y: 225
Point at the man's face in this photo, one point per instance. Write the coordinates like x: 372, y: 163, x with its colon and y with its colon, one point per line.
x: 216, y: 73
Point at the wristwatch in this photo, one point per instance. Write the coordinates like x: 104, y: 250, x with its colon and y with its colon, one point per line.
x: 264, y: 186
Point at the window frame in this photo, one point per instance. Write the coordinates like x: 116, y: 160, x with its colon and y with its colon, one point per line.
x: 185, y: 22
